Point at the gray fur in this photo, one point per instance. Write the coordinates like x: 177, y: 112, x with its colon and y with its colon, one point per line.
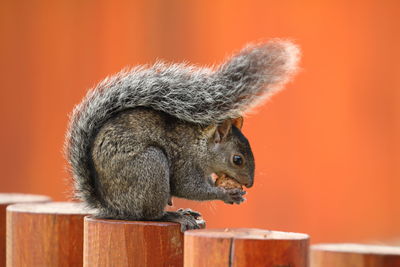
x: 120, y: 153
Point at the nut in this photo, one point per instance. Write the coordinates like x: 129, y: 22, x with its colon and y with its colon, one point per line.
x: 227, y: 182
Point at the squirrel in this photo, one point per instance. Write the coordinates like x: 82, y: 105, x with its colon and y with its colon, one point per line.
x: 153, y: 132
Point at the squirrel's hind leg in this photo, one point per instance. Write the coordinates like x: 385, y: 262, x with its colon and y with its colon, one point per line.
x: 187, y: 218
x: 137, y: 186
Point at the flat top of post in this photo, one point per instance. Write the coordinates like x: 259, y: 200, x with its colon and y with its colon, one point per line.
x: 358, y: 248
x: 143, y: 223
x: 247, y: 233
x: 10, y: 198
x: 50, y: 208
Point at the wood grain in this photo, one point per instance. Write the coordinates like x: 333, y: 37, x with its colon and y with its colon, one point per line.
x: 132, y: 243
x: 354, y: 255
x: 245, y: 247
x: 5, y: 200
x: 45, y: 234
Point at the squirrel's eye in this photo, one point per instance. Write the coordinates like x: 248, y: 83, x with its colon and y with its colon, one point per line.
x: 238, y: 160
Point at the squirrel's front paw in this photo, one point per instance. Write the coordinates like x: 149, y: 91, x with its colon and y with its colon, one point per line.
x: 234, y: 196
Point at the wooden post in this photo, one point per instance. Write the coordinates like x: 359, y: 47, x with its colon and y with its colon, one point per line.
x: 245, y: 247
x: 8, y: 199
x: 132, y: 243
x: 45, y: 234
x: 354, y: 255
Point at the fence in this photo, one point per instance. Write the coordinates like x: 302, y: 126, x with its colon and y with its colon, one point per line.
x: 44, y: 233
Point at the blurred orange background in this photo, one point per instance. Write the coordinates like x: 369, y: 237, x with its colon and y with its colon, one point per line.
x: 327, y: 148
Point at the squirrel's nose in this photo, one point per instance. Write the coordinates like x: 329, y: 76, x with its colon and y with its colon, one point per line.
x: 246, y: 180
x: 249, y: 184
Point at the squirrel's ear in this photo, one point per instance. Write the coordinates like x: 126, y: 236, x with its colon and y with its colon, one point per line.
x: 238, y: 122
x: 209, y: 131
x: 222, y: 131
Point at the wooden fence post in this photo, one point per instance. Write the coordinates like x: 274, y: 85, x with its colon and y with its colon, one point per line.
x: 132, y: 243
x: 245, y: 247
x: 354, y: 255
x: 45, y: 234
x: 8, y: 199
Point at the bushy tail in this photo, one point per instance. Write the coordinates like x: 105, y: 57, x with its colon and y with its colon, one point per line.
x: 198, y: 95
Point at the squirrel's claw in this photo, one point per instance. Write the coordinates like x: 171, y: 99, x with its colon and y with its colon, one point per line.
x: 189, y: 212
x: 187, y: 218
x: 234, y: 196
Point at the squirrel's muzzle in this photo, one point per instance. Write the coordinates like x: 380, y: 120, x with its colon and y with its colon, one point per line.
x: 247, y: 181
x: 248, y: 185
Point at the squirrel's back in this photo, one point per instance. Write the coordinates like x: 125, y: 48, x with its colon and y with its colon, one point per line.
x: 135, y: 129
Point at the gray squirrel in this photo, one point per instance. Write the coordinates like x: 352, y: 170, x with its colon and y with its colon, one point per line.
x: 153, y: 132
